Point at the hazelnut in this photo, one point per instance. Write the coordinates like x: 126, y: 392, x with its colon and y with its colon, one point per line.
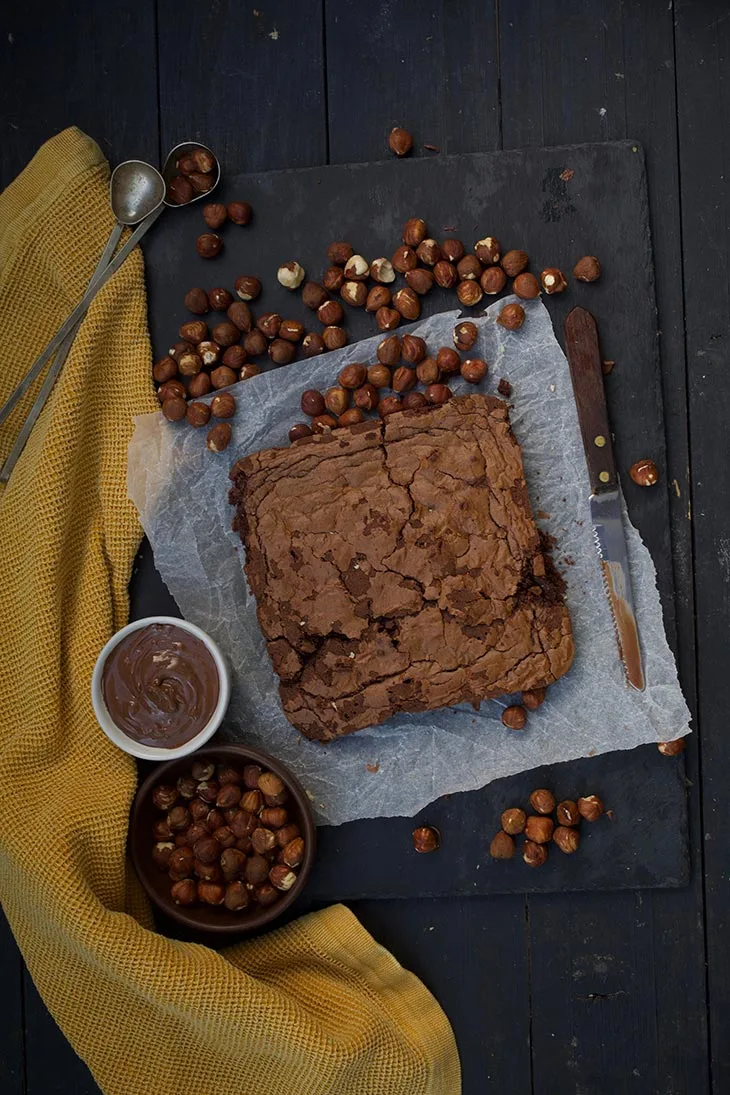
x: 174, y: 408
x: 251, y: 773
x: 414, y: 401
x: 180, y: 348
x: 469, y: 268
x: 223, y: 405
x: 493, y: 280
x: 378, y: 297
x: 542, y: 800
x: 164, y: 369
x: 353, y: 375
x: 474, y: 370
x: 351, y: 417
x: 290, y: 275
x: 488, y: 250
x: 269, y: 324
x: 214, y: 819
x: 448, y: 361
x: 389, y: 405
x: 366, y: 397
x: 414, y: 232
x: 234, y: 357
x: 198, y: 414
x: 587, y: 269
x: 196, y: 301
x: 445, y: 274
x: 207, y: 849
x: 336, y: 400
x: 333, y: 279
x: 533, y: 698
x: 452, y: 250
x: 429, y: 252
x: 255, y: 343
x: 199, y: 810
x: 200, y: 183
x: 161, y: 853
x: 312, y: 402
x: 419, y: 280
x: 387, y: 318
x: 209, y: 352
x: 514, y: 717
x: 180, y: 191
x: 511, y: 317
x: 292, y: 853
x: 413, y: 349
x: 287, y: 833
x: 338, y: 253
x: 247, y: 287
x: 199, y: 385
x: 243, y: 823
x: 190, y: 363
x: 526, y: 286
x: 513, y: 820
x: 211, y: 893
x: 644, y: 473
x: 553, y: 280
x: 357, y: 268
x: 194, y: 331
x: 465, y: 335
x: 186, y: 165
x: 256, y: 869
x: 263, y: 840
x: 354, y: 293
x: 282, y: 352
x: 178, y: 818
x: 215, y: 215
x: 273, y: 817
x: 404, y: 258
x: 184, y: 892
x: 299, y: 430
x: 282, y: 877
x: 607, y: 367
x: 400, y: 141
x: 229, y: 794
x: 566, y: 839
x: 236, y: 897
x: 324, y: 423
x: 330, y: 312
x: 161, y: 830
x: 514, y: 262
x: 389, y: 350
x: 381, y: 270
x: 225, y: 836
x: 180, y: 864
x: 672, y: 748
x: 208, y: 245
x: 226, y: 333
x: 202, y: 770
x: 590, y: 807
x: 222, y: 377
x: 539, y: 829
x: 426, y: 839
x: 271, y: 784
x: 406, y: 302
x: 240, y: 314
x: 334, y: 338
x: 204, y: 160
x: 427, y: 371
x: 469, y: 293
x: 312, y: 344
x: 502, y: 846
x: 379, y: 375
x: 313, y: 294
x: 219, y: 437
x: 437, y: 394
x: 567, y: 812
x: 253, y: 800
x: 232, y: 863
x: 240, y: 212
x: 266, y: 895
x: 534, y: 854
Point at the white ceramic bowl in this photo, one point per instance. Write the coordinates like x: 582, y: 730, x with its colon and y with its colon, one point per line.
x: 153, y: 752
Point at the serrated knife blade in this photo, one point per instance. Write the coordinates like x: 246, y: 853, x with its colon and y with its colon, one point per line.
x: 608, y: 532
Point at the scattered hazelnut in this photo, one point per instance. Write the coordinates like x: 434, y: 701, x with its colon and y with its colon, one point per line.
x: 334, y: 338
x: 419, y: 280
x: 240, y: 212
x: 165, y: 369
x: 256, y: 869
x: 407, y: 304
x: 414, y: 231
x: 312, y: 402
x: 223, y: 405
x: 351, y: 417
x: 180, y: 191
x: 211, y: 893
x: 313, y: 294
x: 542, y: 800
x: 330, y: 312
x: 378, y: 297
x: 400, y: 141
x: 488, y: 250
x: 567, y: 812
x: 164, y: 796
x: 170, y: 389
x: 299, y: 430
x: 352, y: 376
x: 448, y: 361
x: 184, y: 892
x: 247, y: 287
x: 428, y: 371
x: 590, y: 807
x: 290, y: 275
x: 222, y: 377
x: 215, y: 215
x: 389, y: 404
x: 514, y: 262
x: 533, y: 698
x: 469, y: 293
x: 333, y: 279
x: 379, y: 375
x: 534, y: 854
x: 208, y: 351
x: 234, y: 356
x: 263, y: 840
x: 389, y: 350
x: 198, y: 415
x: 387, y: 319
x: 413, y: 349
x: 445, y: 274
x: 414, y: 401
x: 526, y: 286
x: 174, y: 409
x: 196, y: 301
x: 587, y: 269
x: 644, y: 473
x: 493, y: 280
x: 179, y: 348
x: 219, y: 437
x: 502, y: 846
x: 452, y: 250
x: 469, y: 268
x: 539, y: 829
x: 226, y: 333
x: 255, y: 343
x: 511, y: 317
x: 161, y: 853
x: 273, y: 817
x: 354, y: 293
x: 240, y: 314
x: 513, y: 820
x: 265, y: 895
x: 194, y: 331
x: 190, y: 363
x: 404, y: 258
x: 381, y: 270
x: 338, y: 253
x: 269, y: 324
x: 553, y: 280
x: 324, y: 423
x: 672, y: 748
x: 465, y: 335
x: 282, y: 352
x: 336, y: 400
x: 356, y: 268
x: 474, y: 370
x: 437, y: 394
x: 566, y: 839
x: 429, y: 252
x: 312, y: 344
x: 367, y: 397
x: 236, y: 896
x: 208, y: 245
x: 426, y: 838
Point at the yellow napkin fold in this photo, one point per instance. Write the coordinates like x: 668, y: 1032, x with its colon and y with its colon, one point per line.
x: 315, y: 1007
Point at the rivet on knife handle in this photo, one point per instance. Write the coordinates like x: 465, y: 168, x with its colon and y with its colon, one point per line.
x: 584, y: 359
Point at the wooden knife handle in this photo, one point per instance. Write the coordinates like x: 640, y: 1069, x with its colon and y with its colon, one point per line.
x: 584, y: 359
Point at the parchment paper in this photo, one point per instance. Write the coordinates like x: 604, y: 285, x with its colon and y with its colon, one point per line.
x: 180, y: 490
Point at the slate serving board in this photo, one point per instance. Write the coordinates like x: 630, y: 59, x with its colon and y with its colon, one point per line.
x: 557, y: 204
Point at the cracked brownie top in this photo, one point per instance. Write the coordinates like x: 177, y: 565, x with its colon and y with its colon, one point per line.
x: 396, y: 567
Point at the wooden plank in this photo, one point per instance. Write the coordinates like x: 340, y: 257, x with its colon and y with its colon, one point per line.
x: 83, y: 68
x: 702, y: 51
x: 52, y: 1066
x: 12, y: 1036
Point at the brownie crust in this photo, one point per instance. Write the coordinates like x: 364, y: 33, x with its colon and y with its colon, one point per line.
x: 397, y: 567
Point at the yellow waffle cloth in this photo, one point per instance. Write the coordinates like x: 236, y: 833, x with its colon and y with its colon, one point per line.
x: 315, y: 1007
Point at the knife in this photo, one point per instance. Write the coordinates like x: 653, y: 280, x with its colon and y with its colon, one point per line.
x: 584, y: 359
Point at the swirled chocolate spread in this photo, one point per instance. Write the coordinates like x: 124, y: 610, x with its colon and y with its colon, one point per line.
x: 160, y: 685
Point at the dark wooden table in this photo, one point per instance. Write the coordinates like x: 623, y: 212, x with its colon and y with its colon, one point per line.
x: 592, y: 994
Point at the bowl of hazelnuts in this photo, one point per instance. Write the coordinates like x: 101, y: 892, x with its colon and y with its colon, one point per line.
x: 223, y: 839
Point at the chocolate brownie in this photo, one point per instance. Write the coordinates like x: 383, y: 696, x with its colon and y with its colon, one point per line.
x: 397, y: 567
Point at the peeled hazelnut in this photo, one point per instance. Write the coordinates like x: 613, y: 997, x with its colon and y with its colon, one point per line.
x: 413, y: 349
x: 240, y: 212
x: 265, y: 895
x: 196, y: 301
x: 269, y: 324
x: 180, y: 863
x: 199, y: 385
x: 240, y: 315
x: 313, y: 294
x: 357, y: 268
x: 428, y: 371
x: 414, y: 231
x: 180, y: 191
x: 465, y: 335
x: 354, y: 293
x: 514, y: 262
x: 236, y: 897
x: 282, y: 877
x: 389, y: 350
x: 533, y: 698
x: 511, y: 317
x: 542, y: 800
x: 353, y: 375
x: 534, y: 854
x: 282, y: 352
x: 207, y: 849
x: 553, y: 280
x: 247, y: 287
x: 234, y: 356
x: 514, y: 717
x: 437, y: 394
x: 488, y: 250
x: 469, y: 268
x: 256, y: 869
x: 312, y: 344
x: 469, y: 293
x: 406, y: 302
x: 273, y: 817
x: 567, y: 812
x: 198, y: 415
x: 445, y: 274
x: 429, y: 252
x: 587, y: 269
x: 389, y: 405
x: 174, y: 408
x: 330, y: 312
x: 590, y: 807
x: 338, y: 253
x: 230, y: 793
x: 290, y: 275
x: 351, y: 417
x: 226, y: 333
x: 312, y: 402
x: 255, y: 343
x: 366, y: 397
x: 336, y: 400
x: 400, y: 141
x: 381, y: 270
x: 414, y: 401
x: 672, y: 748
x: 222, y: 377
x: 208, y: 245
x: 452, y: 250
x: 379, y: 375
x: 566, y: 839
x: 324, y: 423
x: 333, y: 279
x: 215, y: 215
x: 299, y: 430
x: 474, y: 370
x: 404, y: 258
x: 219, y: 437
x: 292, y: 853
x: 644, y: 473
x: 513, y: 820
x: 211, y: 893
x: 526, y: 286
x: 184, y: 892
x: 420, y: 280
x: 161, y: 853
x: 334, y: 338
x: 502, y: 846
x: 448, y: 361
x: 194, y: 331
x: 263, y: 840
x: 539, y: 829
x: 190, y: 363
x: 165, y: 369
x: 387, y: 319
x: 493, y: 280
x: 426, y: 839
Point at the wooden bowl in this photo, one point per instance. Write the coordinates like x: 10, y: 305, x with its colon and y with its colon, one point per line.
x: 157, y: 884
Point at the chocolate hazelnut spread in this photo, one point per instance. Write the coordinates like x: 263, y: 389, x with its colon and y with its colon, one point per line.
x: 160, y: 685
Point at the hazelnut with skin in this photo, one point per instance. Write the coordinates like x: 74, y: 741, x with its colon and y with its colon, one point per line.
x: 202, y: 770
x: 502, y: 846
x: 400, y: 141
x: 445, y: 274
x: 333, y: 279
x: 587, y: 269
x: 488, y: 250
x: 336, y: 400
x: 511, y: 317
x: 271, y: 785
x: 352, y: 376
x: 366, y: 397
x: 236, y: 897
x: 211, y: 893
x: 452, y: 250
x: 533, y: 698
x: 469, y: 293
x: 469, y: 268
x: 473, y: 370
x: 179, y: 191
x: 222, y: 377
x: 161, y: 853
x: 387, y: 319
x: 263, y: 840
x: 351, y: 417
x: 426, y: 839
x: 256, y: 869
x: 553, y: 280
x: 590, y: 807
x: 196, y: 301
x: 269, y: 324
x: 249, y: 370
x: 199, y: 810
x: 407, y: 304
x: 448, y: 361
x: 226, y: 333
x: 339, y: 252
x: 165, y: 369
x: 357, y: 268
x: 514, y: 262
x: 542, y: 800
x: 274, y: 817
x: 290, y: 275
x: 253, y: 800
x: 282, y: 877
x: 230, y: 793
x: 493, y: 280
x: 312, y: 402
x: 219, y: 437
x: 198, y: 414
x: 225, y: 836
x: 179, y: 348
x: 414, y: 232
x: 234, y: 356
x: 465, y: 335
x: 389, y: 405
x: 534, y: 854
x: 247, y: 287
x: 330, y: 312
x: 161, y: 831
x: 293, y: 852
x: 404, y: 258
x: 194, y: 331
x: 240, y: 315
x: 282, y: 352
x: 298, y: 431
x: 505, y: 389
x: 381, y: 270
x: 539, y: 829
x: 334, y: 338
x: 200, y: 183
x: 644, y: 473
x: 566, y: 839
x: 287, y: 833
x: 189, y: 363
x: 378, y: 297
x: 437, y: 394
x: 526, y: 286
x: 208, y: 245
x: 265, y: 895
x: 389, y: 350
x: 428, y: 371
x: 419, y: 280
x: 324, y: 423
x: 215, y: 215
x: 429, y: 252
x: 672, y: 748
x: 513, y: 820
x: 413, y: 349
x: 207, y: 849
x: 180, y: 864
x: 514, y: 717
x: 209, y: 352
x: 174, y: 409
x: 312, y: 344
x: 379, y: 375
x: 414, y: 401
x: 240, y: 212
x: 313, y: 294
x: 184, y: 892
x: 567, y: 812
x: 354, y: 293
x: 255, y: 343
